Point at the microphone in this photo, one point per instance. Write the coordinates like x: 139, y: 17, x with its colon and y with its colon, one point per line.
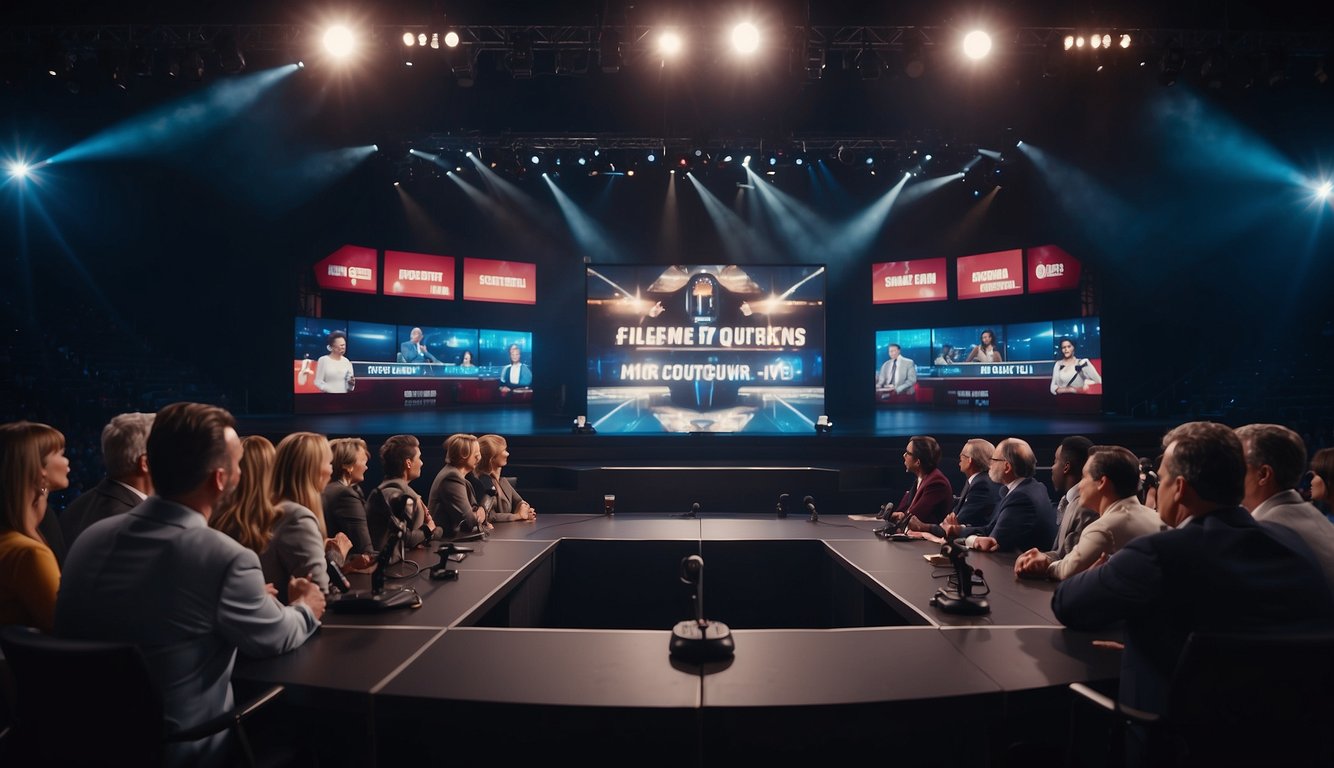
x: 782, y: 505
x: 810, y: 505
x: 694, y: 510
x: 336, y: 577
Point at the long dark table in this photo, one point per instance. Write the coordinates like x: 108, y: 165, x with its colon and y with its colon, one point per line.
x: 423, y: 682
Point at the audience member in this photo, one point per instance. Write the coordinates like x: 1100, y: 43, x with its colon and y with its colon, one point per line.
x: 977, y: 502
x: 188, y: 596
x: 247, y: 514
x: 1024, y: 517
x: 1216, y: 568
x: 127, y: 482
x: 487, y: 479
x: 401, y: 457
x: 1107, y: 487
x: 1071, y: 516
x: 930, y: 496
x: 299, y: 547
x: 32, y: 465
x: 453, y: 500
x: 1275, y: 460
x: 344, y: 504
x: 1322, y: 479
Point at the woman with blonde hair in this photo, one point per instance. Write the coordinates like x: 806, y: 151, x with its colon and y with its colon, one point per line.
x: 302, y: 467
x: 453, y: 501
x: 248, y: 514
x: 32, y: 465
x: 486, y: 479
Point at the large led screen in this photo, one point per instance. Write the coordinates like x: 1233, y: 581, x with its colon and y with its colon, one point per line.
x: 705, y: 348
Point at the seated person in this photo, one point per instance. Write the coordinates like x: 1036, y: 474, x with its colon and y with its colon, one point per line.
x: 453, y: 499
x: 401, y: 457
x: 32, y: 464
x: 1024, y: 518
x: 344, y: 503
x: 1108, y: 486
x: 898, y: 374
x: 486, y: 479
x: 414, y: 351
x: 517, y: 375
x: 929, y: 498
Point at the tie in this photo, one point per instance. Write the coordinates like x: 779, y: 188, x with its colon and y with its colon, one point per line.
x: 1060, y: 508
x: 893, y: 372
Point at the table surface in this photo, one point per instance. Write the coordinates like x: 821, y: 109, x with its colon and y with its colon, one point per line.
x: 423, y: 654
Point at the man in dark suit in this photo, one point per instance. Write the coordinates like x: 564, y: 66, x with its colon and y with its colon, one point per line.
x: 1024, y: 518
x: 125, y: 454
x: 977, y: 501
x: 1216, y: 568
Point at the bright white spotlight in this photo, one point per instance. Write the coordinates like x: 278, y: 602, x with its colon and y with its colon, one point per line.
x: 1125, y: 41
x: 451, y: 39
x: 1095, y: 42
x: 976, y: 45
x: 1107, y: 42
x: 1069, y: 42
x: 18, y: 169
x: 745, y: 38
x: 339, y: 42
x: 409, y: 39
x: 1079, y: 41
x: 421, y: 39
x: 669, y: 43
x: 1323, y: 191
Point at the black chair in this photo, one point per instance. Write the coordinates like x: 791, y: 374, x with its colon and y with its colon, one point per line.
x: 80, y: 702
x: 1234, y: 699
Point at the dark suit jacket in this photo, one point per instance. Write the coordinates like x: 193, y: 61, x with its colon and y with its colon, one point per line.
x: 1222, y: 572
x: 103, y: 500
x: 977, y: 503
x: 345, y: 512
x: 388, y: 498
x: 1024, y: 519
x: 452, y: 501
x: 932, y: 501
x: 411, y: 354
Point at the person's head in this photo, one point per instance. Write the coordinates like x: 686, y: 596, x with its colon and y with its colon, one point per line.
x: 467, y: 357
x: 32, y: 464
x: 1322, y: 475
x: 125, y: 445
x: 946, y: 351
x: 337, y: 344
x: 1275, y: 461
x: 248, y: 514
x: 1067, y: 348
x: 988, y: 339
x: 416, y: 335
x: 1068, y: 465
x: 462, y: 451
x: 1110, y: 474
x: 515, y: 353
x: 495, y: 453
x: 976, y: 456
x: 1203, y: 469
x: 350, y: 457
x: 301, y: 469
x: 401, y: 457
x: 1012, y: 459
x: 194, y: 455
x: 894, y: 351
x: 922, y: 455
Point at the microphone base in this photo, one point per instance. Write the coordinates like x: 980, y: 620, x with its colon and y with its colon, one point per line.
x: 889, y: 534
x: 366, y: 601
x: 969, y: 605
x: 693, y: 643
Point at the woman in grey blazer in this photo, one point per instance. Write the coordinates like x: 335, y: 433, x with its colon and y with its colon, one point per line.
x: 299, y: 546
x: 509, y: 505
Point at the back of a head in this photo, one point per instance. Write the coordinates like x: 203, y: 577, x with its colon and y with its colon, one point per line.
x: 187, y: 442
x: 24, y: 446
x: 124, y: 440
x: 1278, y: 447
x: 1118, y: 465
x: 1074, y: 451
x: 1020, y: 455
x: 1209, y: 457
x: 458, y: 447
x: 247, y: 515
x: 297, y: 468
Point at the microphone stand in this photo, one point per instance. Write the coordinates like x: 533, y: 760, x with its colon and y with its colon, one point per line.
x: 961, y: 601
x: 699, y: 640
x: 379, y: 597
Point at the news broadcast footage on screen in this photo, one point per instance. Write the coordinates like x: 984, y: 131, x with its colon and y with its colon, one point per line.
x: 1003, y: 366
x: 349, y: 365
x: 706, y: 348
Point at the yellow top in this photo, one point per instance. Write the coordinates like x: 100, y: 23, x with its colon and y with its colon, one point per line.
x: 29, y: 578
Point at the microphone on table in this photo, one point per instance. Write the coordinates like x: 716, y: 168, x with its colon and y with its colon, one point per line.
x: 810, y: 505
x: 694, y: 510
x: 336, y: 577
x: 782, y: 505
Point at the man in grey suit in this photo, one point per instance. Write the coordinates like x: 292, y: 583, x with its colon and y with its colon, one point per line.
x: 128, y: 482
x: 1072, y: 516
x: 1275, y: 461
x: 189, y: 596
x: 898, y: 375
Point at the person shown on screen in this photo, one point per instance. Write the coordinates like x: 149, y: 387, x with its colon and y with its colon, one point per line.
x: 1072, y: 375
x: 898, y: 375
x: 947, y: 355
x: 466, y: 360
x: 333, y: 372
x: 516, y: 375
x: 985, y: 350
x: 414, y: 349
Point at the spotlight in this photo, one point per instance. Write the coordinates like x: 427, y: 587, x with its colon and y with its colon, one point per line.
x: 409, y: 39
x: 976, y: 45
x: 652, y: 158
x: 435, y: 41
x: 17, y: 169
x: 339, y: 41
x: 800, y: 161
x: 1079, y: 41
x: 421, y: 39
x: 1125, y: 41
x: 451, y: 39
x: 669, y: 43
x: 535, y: 159
x: 1069, y: 42
x: 745, y: 38
x: 1323, y: 191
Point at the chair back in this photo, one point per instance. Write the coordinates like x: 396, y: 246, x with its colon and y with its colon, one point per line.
x: 81, y: 702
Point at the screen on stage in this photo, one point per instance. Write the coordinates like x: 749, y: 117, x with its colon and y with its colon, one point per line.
x: 348, y: 366
x: 1011, y: 366
x: 705, y: 348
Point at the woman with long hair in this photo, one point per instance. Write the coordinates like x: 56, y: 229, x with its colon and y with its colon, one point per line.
x: 302, y: 467
x: 32, y: 465
x: 1072, y: 375
x: 486, y: 479
x: 248, y: 514
x: 985, y: 350
x: 453, y: 501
